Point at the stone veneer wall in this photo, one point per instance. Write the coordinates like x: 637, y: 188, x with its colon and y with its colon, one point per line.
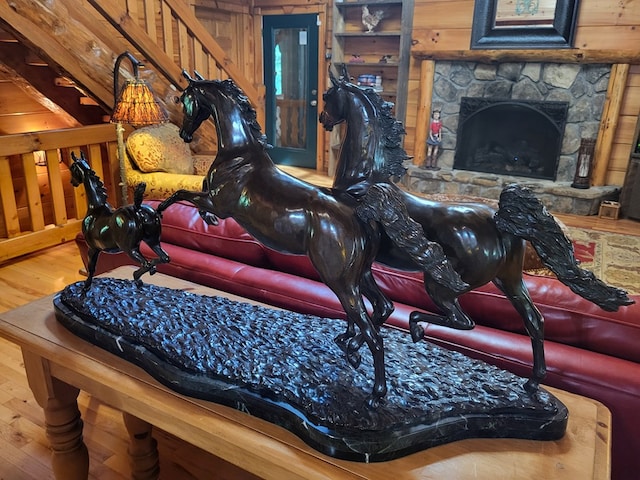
x: 584, y: 87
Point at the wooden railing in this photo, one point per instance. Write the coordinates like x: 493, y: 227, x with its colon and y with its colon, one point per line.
x: 173, y: 38
x: 39, y: 207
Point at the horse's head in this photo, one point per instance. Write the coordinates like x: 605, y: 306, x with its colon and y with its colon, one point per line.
x: 195, y: 107
x: 79, y: 169
x: 230, y: 109
x: 335, y: 103
x: 372, y: 146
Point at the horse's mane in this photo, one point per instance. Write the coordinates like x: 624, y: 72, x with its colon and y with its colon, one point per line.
x: 248, y: 112
x: 100, y: 189
x: 392, y: 128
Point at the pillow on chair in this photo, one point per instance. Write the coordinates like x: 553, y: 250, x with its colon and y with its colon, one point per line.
x: 159, y: 148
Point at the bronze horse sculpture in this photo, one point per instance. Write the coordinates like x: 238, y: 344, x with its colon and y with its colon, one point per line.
x: 284, y: 213
x: 111, y: 230
x: 339, y: 232
x: 482, y: 244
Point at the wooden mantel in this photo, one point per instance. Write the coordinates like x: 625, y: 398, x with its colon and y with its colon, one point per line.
x: 620, y: 60
x: 569, y: 55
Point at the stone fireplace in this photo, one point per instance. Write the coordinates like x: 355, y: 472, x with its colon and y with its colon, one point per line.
x: 508, y: 137
x: 568, y: 97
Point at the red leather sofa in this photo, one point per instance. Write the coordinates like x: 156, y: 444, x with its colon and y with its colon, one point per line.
x: 589, y: 351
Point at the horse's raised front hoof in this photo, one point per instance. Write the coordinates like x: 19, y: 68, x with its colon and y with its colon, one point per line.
x: 344, y: 341
x: 416, y: 330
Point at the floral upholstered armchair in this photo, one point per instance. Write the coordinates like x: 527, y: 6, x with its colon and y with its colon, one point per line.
x: 158, y: 156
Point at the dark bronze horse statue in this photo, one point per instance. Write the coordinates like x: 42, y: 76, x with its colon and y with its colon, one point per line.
x: 284, y: 213
x: 116, y: 230
x: 482, y: 244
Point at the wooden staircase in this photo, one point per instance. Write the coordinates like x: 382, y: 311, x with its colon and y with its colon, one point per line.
x: 82, y: 39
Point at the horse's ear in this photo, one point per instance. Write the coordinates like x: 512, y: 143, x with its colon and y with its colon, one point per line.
x: 344, y: 74
x: 198, y: 75
x: 333, y: 78
x: 186, y: 75
x: 74, y: 158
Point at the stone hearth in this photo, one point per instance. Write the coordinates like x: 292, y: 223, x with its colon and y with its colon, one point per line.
x: 558, y: 197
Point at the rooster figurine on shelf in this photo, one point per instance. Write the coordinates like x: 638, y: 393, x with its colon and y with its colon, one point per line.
x: 371, y: 20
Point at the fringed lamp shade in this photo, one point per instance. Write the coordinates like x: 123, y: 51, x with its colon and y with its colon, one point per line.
x: 136, y: 105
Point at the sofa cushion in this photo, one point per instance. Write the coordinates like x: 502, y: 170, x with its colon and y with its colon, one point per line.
x: 299, y: 265
x: 569, y: 318
x: 183, y: 226
x: 159, y: 148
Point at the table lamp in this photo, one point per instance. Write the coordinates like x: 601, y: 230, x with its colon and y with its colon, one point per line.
x: 135, y: 105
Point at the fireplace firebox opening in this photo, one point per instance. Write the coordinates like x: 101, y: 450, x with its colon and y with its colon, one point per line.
x: 510, y: 137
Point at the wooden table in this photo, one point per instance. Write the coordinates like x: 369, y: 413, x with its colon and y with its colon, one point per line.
x: 59, y: 365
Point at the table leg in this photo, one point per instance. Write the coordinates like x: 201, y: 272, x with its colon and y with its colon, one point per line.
x: 63, y: 423
x: 143, y: 449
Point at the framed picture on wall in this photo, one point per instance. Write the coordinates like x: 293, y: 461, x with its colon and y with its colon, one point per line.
x: 522, y: 24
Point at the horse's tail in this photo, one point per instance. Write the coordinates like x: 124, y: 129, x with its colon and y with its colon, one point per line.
x: 138, y: 194
x: 522, y: 214
x: 382, y: 203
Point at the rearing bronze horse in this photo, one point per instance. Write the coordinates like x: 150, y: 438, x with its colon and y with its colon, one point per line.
x: 285, y: 213
x: 481, y: 243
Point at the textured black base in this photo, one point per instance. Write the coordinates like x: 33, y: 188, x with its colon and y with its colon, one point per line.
x: 285, y: 368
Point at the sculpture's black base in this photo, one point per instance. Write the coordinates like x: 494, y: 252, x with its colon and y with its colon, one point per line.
x: 284, y: 367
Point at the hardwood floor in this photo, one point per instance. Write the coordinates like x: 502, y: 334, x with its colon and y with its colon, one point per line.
x: 24, y: 453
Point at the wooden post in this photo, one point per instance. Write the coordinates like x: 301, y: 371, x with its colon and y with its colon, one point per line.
x: 8, y: 198
x: 69, y: 455
x: 427, y: 71
x: 143, y: 449
x: 609, y: 122
x: 34, y: 201
x: 55, y: 185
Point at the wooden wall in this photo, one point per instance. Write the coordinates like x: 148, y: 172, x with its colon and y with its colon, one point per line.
x: 20, y: 112
x: 445, y: 26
